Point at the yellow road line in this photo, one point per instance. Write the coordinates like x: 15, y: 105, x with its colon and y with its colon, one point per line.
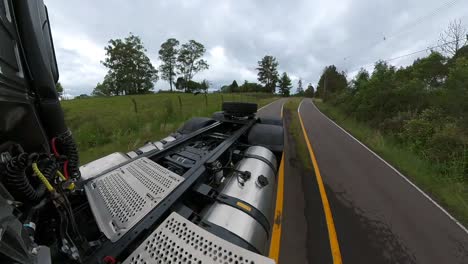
x: 335, y: 247
x: 276, y: 233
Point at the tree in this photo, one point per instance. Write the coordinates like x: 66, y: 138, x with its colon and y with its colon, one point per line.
x: 108, y: 87
x: 189, y: 60
x: 101, y: 90
x: 268, y: 73
x: 284, y: 84
x: 300, y: 89
x: 453, y: 38
x: 204, y: 86
x: 234, y: 87
x: 168, y: 56
x: 309, y: 92
x: 180, y: 83
x: 82, y: 96
x: 359, y: 81
x: 226, y: 89
x: 59, y: 89
x: 193, y: 87
x: 455, y: 94
x: 130, y: 70
x: 331, y: 82
x: 432, y: 70
x: 250, y: 87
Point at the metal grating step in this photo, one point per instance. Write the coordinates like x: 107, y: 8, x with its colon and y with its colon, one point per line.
x: 177, y: 240
x: 122, y: 197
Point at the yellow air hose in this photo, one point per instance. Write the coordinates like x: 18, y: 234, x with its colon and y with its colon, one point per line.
x: 43, y: 179
x: 71, y: 186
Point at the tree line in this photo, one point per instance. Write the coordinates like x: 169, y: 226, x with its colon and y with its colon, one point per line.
x: 130, y: 70
x: 269, y: 81
x: 423, y: 106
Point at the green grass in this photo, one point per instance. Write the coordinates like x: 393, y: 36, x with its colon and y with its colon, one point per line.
x: 295, y: 130
x: 121, y: 123
x: 451, y: 194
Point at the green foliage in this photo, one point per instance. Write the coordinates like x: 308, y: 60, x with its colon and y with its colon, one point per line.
x: 295, y: 130
x: 82, y: 96
x: 189, y: 59
x: 454, y: 97
x: 225, y: 89
x: 180, y: 83
x: 106, y: 88
x: 234, y: 87
x: 309, y: 92
x: 331, y: 82
x: 284, y: 84
x: 430, y: 70
x: 268, y: 73
x: 59, y: 89
x: 193, y: 87
x: 248, y: 87
x: 168, y: 56
x: 130, y: 70
x: 204, y: 86
x: 300, y: 89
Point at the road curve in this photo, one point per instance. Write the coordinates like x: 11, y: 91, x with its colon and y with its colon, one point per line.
x: 379, y: 217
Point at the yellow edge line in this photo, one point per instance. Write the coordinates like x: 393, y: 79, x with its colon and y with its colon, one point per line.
x: 276, y: 233
x: 335, y: 248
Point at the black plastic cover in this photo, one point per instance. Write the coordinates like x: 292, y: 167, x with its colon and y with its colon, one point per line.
x: 19, y: 120
x: 36, y: 39
x: 268, y: 136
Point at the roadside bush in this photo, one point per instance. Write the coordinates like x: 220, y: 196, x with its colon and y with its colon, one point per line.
x: 436, y: 136
x: 417, y: 133
x: 446, y: 144
x: 395, y: 125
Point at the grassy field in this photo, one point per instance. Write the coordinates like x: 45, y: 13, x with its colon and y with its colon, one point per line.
x: 450, y: 193
x: 121, y: 123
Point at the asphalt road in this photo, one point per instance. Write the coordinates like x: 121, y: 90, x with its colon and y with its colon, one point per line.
x: 304, y: 237
x: 273, y: 109
x: 379, y: 217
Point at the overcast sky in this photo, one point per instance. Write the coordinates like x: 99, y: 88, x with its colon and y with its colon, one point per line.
x: 304, y: 35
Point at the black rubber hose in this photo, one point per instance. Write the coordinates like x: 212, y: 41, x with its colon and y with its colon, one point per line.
x: 70, y: 150
x: 50, y: 170
x: 17, y: 182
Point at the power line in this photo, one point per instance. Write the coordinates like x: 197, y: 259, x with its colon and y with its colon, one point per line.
x: 407, y: 55
x: 410, y: 25
x: 422, y: 18
x: 430, y: 48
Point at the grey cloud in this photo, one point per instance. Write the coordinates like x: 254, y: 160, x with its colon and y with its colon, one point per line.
x: 304, y: 35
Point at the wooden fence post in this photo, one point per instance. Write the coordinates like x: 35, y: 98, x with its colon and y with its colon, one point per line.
x: 180, y: 103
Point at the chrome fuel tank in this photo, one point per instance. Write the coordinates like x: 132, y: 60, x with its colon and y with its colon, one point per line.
x: 257, y: 191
